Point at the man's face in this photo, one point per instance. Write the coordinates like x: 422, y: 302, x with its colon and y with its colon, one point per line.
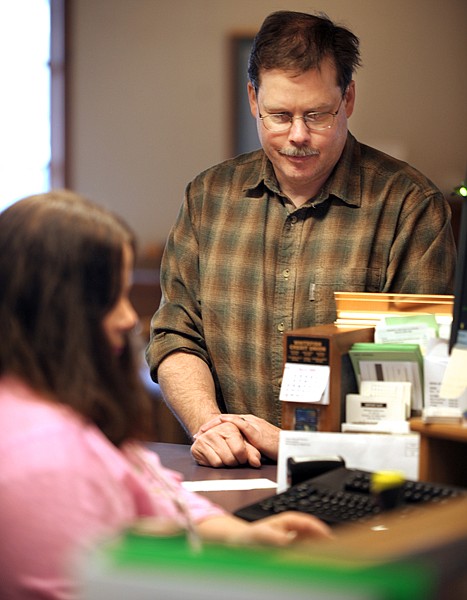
x: 301, y: 177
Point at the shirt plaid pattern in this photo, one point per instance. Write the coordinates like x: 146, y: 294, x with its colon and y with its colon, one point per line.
x: 242, y: 265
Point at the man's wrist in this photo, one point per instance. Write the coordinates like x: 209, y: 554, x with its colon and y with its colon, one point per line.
x: 209, y: 421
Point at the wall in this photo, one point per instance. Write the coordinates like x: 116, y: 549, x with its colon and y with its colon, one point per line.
x: 149, y: 92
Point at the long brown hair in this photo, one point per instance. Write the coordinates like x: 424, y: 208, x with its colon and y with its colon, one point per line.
x: 60, y: 273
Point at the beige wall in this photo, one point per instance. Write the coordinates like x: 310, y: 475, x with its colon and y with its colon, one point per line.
x: 149, y: 92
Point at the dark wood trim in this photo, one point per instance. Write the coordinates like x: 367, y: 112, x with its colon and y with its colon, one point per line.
x: 58, y: 93
x: 240, y: 120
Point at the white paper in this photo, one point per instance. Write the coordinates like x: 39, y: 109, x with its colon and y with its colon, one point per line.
x: 415, y: 333
x: 380, y: 427
x: 305, y: 383
x: 220, y: 485
x: 398, y: 389
x: 435, y: 365
x: 454, y: 383
x: 367, y: 451
x: 373, y: 409
x: 395, y: 371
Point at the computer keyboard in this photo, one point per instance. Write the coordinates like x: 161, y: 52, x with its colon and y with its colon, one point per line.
x: 343, y: 495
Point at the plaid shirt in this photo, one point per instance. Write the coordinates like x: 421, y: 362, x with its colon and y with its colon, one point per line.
x: 242, y: 264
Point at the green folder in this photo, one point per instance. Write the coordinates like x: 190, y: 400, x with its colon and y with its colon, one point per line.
x: 143, y: 567
x: 378, y: 358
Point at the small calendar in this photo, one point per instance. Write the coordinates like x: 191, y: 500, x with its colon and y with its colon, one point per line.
x: 305, y: 383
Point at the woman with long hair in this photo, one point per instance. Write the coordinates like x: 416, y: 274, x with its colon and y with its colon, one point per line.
x: 73, y: 412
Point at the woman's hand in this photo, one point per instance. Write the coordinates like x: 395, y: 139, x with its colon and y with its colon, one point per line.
x: 278, y: 530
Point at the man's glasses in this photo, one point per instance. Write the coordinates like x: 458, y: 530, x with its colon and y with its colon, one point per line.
x: 315, y: 121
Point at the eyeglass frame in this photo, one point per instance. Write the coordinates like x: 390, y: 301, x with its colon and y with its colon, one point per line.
x: 292, y: 119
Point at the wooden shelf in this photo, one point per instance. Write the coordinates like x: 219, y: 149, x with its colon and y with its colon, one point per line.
x: 443, y: 452
x: 456, y: 432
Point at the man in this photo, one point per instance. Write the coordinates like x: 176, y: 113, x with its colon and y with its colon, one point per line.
x: 262, y: 241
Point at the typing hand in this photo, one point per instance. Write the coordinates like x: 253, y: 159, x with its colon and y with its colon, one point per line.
x: 278, y: 530
x: 287, y: 528
x: 261, y: 434
x: 222, y: 444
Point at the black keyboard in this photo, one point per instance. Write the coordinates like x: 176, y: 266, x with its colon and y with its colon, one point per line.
x: 343, y: 495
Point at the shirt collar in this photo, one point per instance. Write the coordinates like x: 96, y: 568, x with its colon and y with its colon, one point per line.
x: 344, y: 182
x: 262, y: 175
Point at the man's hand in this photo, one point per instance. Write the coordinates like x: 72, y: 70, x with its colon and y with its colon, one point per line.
x: 222, y: 444
x: 259, y: 438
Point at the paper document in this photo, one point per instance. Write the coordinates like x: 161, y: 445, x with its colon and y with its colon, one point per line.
x: 220, y: 485
x: 445, y: 388
x: 367, y: 451
x: 454, y: 383
x: 411, y: 334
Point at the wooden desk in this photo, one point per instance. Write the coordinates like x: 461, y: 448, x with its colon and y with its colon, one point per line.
x: 443, y: 452
x: 178, y: 458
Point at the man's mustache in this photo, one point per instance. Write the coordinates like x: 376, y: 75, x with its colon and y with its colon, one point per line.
x: 299, y: 152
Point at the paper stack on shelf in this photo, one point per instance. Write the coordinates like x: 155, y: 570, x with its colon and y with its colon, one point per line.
x: 368, y: 309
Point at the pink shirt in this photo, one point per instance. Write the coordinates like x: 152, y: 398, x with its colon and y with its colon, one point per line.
x: 64, y: 487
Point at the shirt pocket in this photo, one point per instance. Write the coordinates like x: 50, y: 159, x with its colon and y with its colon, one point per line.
x: 325, y: 282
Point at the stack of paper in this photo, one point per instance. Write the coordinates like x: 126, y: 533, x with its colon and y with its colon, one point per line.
x: 366, y: 308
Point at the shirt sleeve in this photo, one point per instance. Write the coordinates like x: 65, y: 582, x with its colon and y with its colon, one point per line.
x: 177, y: 324
x: 198, y: 506
x: 423, y: 255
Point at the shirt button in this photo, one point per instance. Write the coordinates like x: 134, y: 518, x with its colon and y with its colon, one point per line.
x: 293, y: 220
x: 286, y: 273
x: 281, y: 327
